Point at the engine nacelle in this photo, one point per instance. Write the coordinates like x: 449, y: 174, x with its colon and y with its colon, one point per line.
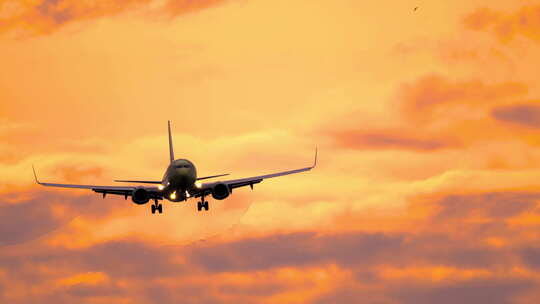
x: 220, y: 191
x: 140, y: 196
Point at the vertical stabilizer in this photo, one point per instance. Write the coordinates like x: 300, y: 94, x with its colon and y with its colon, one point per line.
x: 171, y: 151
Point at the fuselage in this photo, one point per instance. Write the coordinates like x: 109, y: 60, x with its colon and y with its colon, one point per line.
x: 179, y: 179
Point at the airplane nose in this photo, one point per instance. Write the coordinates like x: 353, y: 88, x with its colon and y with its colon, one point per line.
x: 183, y: 175
x: 182, y: 170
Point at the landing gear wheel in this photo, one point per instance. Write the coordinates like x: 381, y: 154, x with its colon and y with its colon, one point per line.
x: 202, y: 205
x: 158, y: 208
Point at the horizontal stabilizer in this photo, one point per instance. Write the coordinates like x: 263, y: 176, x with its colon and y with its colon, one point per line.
x: 137, y: 181
x: 205, y: 177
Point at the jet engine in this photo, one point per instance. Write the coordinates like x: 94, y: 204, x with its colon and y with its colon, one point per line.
x: 220, y: 191
x: 140, y: 196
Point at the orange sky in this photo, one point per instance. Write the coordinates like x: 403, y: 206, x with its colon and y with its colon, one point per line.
x: 427, y: 124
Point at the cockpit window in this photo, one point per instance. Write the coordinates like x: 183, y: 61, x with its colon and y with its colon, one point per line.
x: 182, y: 166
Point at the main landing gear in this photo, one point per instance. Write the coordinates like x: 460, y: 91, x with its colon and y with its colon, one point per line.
x: 202, y: 204
x: 157, y: 207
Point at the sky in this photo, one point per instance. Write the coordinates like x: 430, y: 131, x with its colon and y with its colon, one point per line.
x: 427, y: 123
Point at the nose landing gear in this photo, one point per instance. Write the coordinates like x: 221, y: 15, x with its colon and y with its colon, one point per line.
x: 202, y: 204
x: 157, y: 207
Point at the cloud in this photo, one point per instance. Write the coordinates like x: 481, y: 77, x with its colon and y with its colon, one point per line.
x: 118, y: 259
x: 386, y: 140
x: 497, y: 291
x: 466, y: 268
x: 525, y: 114
x: 531, y: 257
x: 122, y: 259
x: 262, y: 289
x: 73, y: 174
x: 506, y: 26
x: 40, y: 213
x: 481, y: 18
x: 492, y: 205
x: 431, y: 113
x: 349, y: 250
x: 91, y: 291
x: 47, y: 16
x: 177, y: 7
x: 431, y: 95
x: 296, y: 249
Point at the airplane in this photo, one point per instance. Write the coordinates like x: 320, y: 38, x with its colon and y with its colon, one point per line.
x: 179, y: 183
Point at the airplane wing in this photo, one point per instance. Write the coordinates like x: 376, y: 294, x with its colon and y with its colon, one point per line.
x: 125, y: 191
x: 206, y: 188
x: 137, y: 181
x: 160, y: 182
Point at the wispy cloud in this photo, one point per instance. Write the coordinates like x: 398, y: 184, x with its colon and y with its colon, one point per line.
x: 522, y: 22
x: 387, y: 140
x: 47, y: 16
x: 527, y: 115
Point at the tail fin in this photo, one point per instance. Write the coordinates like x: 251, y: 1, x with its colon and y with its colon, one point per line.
x: 171, y: 151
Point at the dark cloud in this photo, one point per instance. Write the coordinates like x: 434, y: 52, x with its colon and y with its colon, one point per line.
x: 354, y: 294
x: 177, y: 7
x: 430, y: 92
x: 119, y: 260
x: 253, y: 289
x: 504, y: 25
x: 480, y: 19
x: 37, y: 214
x: 526, y: 115
x: 450, y: 238
x: 73, y: 174
x: 47, y: 16
x: 125, y: 259
x: 497, y: 205
x: 185, y: 293
x: 18, y: 222
x: 93, y: 290
x: 354, y: 250
x: 456, y: 253
x: 297, y: 249
x: 434, y: 110
x: 493, y: 291
x: 531, y: 257
x: 58, y: 14
x: 472, y: 291
x: 360, y: 253
x: 386, y: 140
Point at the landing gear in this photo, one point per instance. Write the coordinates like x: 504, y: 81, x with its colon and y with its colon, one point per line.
x: 202, y: 204
x: 157, y: 207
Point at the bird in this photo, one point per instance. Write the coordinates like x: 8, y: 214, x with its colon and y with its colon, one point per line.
x: 415, y: 8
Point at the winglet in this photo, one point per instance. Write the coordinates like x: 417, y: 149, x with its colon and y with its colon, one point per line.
x: 315, y: 161
x: 35, y: 176
x: 171, y: 151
